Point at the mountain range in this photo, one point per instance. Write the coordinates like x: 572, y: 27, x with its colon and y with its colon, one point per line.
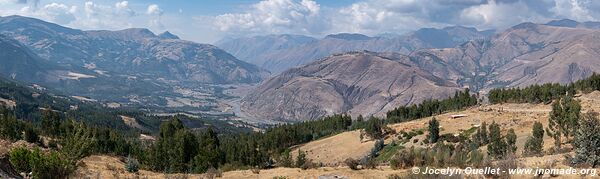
x: 370, y: 83
x: 126, y: 66
x: 277, y: 53
x: 340, y: 73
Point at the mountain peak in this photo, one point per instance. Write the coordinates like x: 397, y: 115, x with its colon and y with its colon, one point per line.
x: 138, y: 32
x: 563, y: 23
x: 349, y: 36
x: 525, y: 25
x: 168, y: 35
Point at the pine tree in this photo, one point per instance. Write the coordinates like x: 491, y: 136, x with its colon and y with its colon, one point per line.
x: 300, y: 159
x: 535, y: 143
x: 434, y: 130
x: 563, y: 118
x: 497, y: 146
x: 483, y: 134
x: 587, y: 140
x: 511, y: 141
x: 51, y: 122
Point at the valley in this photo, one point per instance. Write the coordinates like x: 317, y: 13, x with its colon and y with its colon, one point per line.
x: 297, y: 89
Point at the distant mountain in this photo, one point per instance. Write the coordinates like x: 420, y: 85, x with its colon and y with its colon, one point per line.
x: 131, y: 66
x: 574, y: 24
x: 18, y: 62
x: 349, y: 36
x: 364, y: 83
x: 168, y: 35
x: 279, y: 53
x: 370, y: 83
x: 251, y: 49
x: 134, y: 51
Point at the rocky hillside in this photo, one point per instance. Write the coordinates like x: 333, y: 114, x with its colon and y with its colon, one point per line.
x: 132, y: 67
x: 371, y: 83
x: 278, y: 53
x: 356, y: 83
x: 523, y: 55
x: 131, y: 51
x: 20, y: 63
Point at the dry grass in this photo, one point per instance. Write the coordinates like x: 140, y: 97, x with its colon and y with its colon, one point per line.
x: 332, y: 151
x: 519, y: 117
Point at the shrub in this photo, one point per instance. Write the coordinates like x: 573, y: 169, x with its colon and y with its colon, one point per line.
x: 30, y: 135
x: 132, y: 165
x: 255, y: 170
x: 375, y: 150
x: 213, y: 173
x: 308, y: 164
x: 285, y: 159
x: 511, y: 141
x: 51, y: 165
x: 19, y: 158
x: 370, y: 164
x: 301, y: 158
x: 394, y: 176
x: 351, y: 163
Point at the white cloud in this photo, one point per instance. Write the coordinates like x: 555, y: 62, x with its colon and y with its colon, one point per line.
x: 123, y: 8
x: 275, y: 16
x: 499, y: 15
x: 306, y: 17
x: 154, y: 9
x: 54, y: 12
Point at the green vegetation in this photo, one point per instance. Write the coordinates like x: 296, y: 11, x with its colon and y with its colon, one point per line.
x: 535, y: 143
x: 86, y: 131
x: 545, y: 93
x: 497, y: 148
x: 511, y: 141
x: 587, y: 141
x: 434, y: 130
x: 427, y: 108
x: 41, y: 165
x: 563, y: 121
x: 388, y: 152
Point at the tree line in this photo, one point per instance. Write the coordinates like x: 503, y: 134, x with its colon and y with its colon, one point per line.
x: 545, y: 93
x: 427, y: 108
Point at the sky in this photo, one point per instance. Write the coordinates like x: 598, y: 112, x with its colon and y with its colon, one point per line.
x: 207, y: 21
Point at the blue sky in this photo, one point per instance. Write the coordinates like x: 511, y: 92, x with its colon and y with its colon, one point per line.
x: 207, y: 21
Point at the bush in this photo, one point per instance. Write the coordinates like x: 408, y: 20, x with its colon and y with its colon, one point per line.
x: 370, y: 163
x: 351, y: 163
x: 308, y: 164
x: 213, y: 173
x: 394, y: 176
x: 132, y: 165
x: 30, y: 135
x: 301, y: 158
x: 255, y: 170
x: 19, y: 158
x: 51, y: 165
